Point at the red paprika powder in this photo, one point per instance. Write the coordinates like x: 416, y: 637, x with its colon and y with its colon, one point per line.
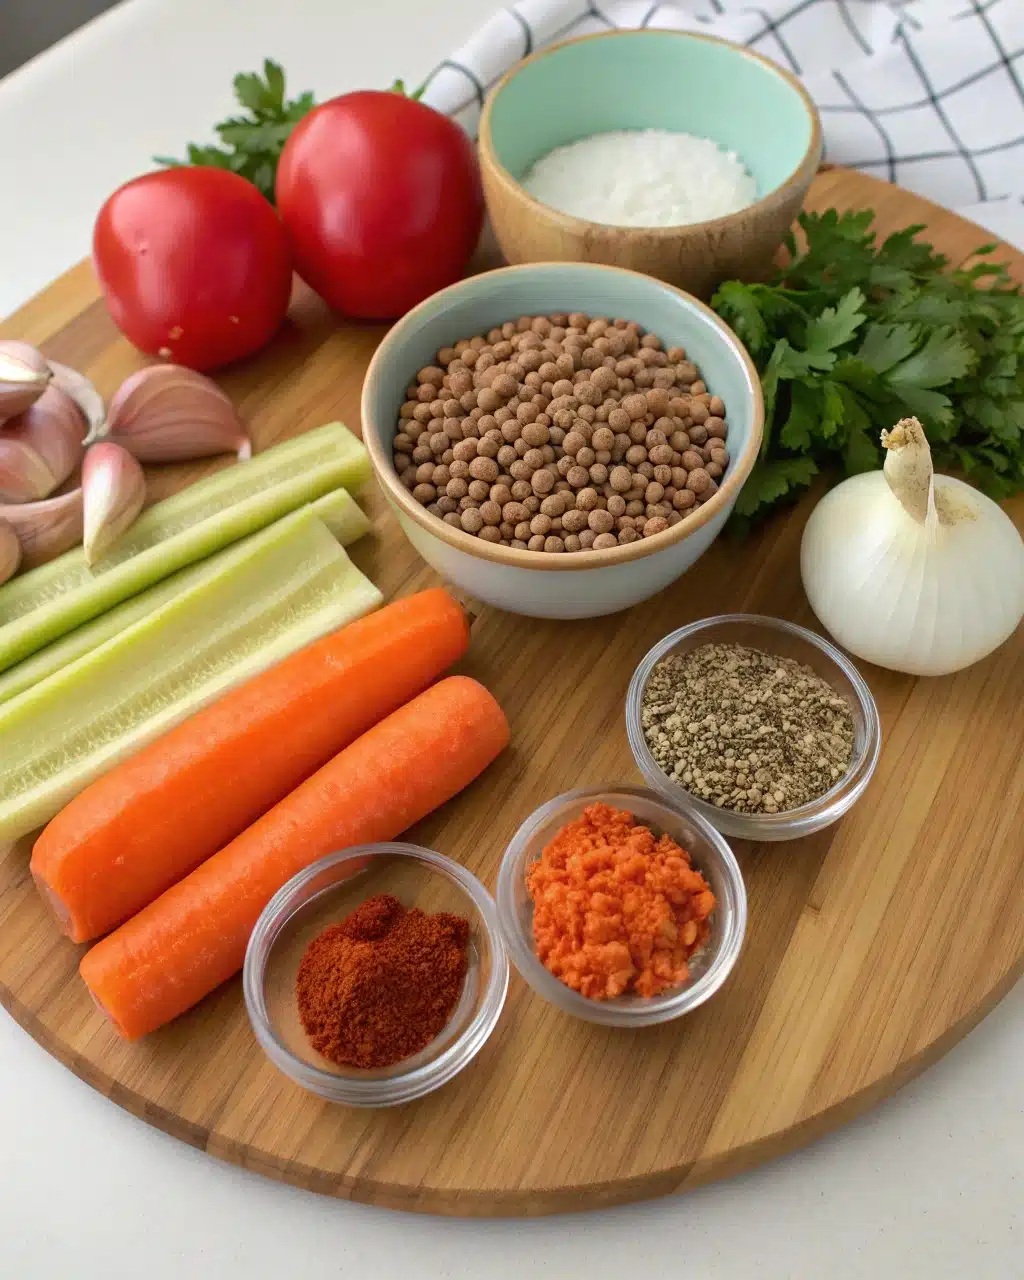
x: 379, y: 986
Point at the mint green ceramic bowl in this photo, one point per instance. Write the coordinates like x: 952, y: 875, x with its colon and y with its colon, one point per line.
x: 650, y: 80
x: 535, y: 583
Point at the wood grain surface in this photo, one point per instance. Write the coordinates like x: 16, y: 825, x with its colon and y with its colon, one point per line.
x: 872, y: 947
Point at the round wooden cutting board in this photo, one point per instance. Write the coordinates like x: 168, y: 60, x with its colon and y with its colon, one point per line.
x: 872, y: 947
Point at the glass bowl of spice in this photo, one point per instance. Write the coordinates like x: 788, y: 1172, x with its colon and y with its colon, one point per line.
x: 619, y: 908
x: 765, y: 728
x: 376, y: 974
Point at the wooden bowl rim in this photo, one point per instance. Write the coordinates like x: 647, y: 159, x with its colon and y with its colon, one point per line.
x: 801, y: 175
x: 383, y: 465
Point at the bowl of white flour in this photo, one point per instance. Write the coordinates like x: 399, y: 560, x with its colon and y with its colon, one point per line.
x: 667, y: 152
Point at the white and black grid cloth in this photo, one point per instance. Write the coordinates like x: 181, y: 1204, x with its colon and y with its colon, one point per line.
x: 928, y: 94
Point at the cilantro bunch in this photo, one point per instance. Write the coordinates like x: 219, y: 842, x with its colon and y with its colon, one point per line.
x: 851, y: 336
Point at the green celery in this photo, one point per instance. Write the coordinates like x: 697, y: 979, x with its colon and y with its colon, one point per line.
x: 48, y: 602
x: 242, y: 611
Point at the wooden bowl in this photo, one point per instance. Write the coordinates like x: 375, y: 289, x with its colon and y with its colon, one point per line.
x: 672, y: 80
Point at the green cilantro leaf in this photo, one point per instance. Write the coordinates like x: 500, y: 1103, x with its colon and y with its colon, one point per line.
x: 253, y: 141
x: 251, y: 92
x: 736, y: 303
x: 860, y: 453
x: 771, y: 481
x: 932, y: 407
x: 885, y: 345
x: 805, y: 414
x: 273, y: 73
x: 833, y: 327
x: 851, y: 335
x: 944, y: 357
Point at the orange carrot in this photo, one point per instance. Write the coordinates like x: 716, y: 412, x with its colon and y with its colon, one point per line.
x: 193, y: 937
x: 151, y: 820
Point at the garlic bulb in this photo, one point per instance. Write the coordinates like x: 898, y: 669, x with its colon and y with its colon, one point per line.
x: 913, y: 571
x: 24, y: 375
x: 114, y: 490
x: 41, y: 447
x: 45, y: 529
x: 167, y: 413
x: 10, y: 552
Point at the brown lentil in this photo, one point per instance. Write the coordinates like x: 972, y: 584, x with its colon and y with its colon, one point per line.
x: 746, y: 730
x: 584, y: 428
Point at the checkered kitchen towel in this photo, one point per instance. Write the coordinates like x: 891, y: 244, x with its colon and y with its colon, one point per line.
x: 928, y: 94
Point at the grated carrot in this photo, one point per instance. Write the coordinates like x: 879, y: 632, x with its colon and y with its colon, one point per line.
x: 616, y: 909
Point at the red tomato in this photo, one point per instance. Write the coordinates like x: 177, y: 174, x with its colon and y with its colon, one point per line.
x: 194, y: 264
x: 382, y: 201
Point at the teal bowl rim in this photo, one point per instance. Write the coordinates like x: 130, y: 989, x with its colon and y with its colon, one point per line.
x: 802, y: 173
x: 400, y: 497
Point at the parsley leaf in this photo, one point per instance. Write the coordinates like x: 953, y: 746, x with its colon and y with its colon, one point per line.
x: 885, y: 345
x: 770, y: 481
x: 834, y: 327
x: 737, y: 303
x: 944, y: 357
x: 805, y: 410
x: 252, y: 142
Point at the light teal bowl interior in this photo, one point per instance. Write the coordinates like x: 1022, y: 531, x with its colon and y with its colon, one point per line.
x: 653, y: 80
x: 481, y: 302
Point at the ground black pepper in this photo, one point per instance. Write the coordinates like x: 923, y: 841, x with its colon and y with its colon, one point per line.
x: 746, y: 730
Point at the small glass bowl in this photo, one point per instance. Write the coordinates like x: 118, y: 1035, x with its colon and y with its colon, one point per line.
x: 771, y: 635
x: 711, y: 856
x: 324, y: 894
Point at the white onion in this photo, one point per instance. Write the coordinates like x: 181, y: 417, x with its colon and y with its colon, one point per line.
x: 910, y: 570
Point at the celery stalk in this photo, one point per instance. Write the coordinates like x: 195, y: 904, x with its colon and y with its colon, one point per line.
x: 342, y: 515
x: 50, y: 601
x: 242, y: 611
x: 90, y: 635
x: 338, y: 511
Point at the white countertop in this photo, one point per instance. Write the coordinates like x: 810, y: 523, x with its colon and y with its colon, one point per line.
x: 929, y: 1185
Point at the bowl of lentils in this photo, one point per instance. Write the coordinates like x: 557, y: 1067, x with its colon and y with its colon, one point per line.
x: 764, y: 727
x: 559, y: 462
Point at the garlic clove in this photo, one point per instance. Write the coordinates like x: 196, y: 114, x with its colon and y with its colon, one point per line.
x: 24, y: 375
x: 24, y: 475
x: 41, y: 447
x: 45, y: 529
x: 10, y: 552
x: 170, y: 414
x: 84, y: 394
x: 114, y: 491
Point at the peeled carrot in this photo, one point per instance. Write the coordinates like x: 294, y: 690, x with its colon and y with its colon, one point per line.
x: 193, y: 937
x: 138, y: 830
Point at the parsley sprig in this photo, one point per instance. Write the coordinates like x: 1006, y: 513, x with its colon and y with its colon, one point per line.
x: 851, y: 336
x: 253, y: 141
